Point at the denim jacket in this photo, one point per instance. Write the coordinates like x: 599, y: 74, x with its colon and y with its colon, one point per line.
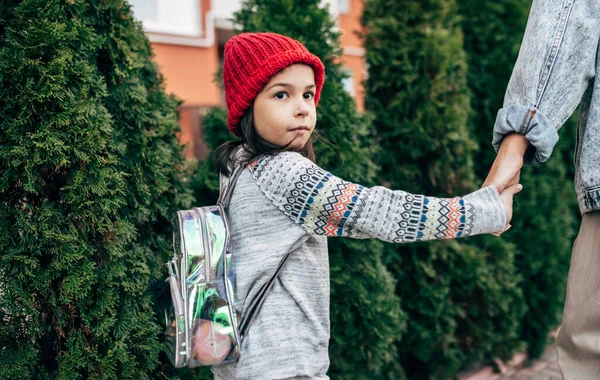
x: 554, y: 73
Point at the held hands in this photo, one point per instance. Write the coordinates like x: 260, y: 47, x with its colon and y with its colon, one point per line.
x: 507, y: 201
x: 505, y: 172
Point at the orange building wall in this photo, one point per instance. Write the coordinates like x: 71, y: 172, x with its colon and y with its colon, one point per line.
x: 189, y: 72
x: 350, y: 24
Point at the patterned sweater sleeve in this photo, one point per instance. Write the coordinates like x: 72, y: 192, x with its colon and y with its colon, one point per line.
x: 324, y: 204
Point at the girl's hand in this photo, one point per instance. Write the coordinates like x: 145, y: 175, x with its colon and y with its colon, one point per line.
x: 506, y: 197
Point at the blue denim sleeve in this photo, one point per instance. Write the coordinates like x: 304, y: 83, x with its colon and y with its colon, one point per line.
x: 555, y: 65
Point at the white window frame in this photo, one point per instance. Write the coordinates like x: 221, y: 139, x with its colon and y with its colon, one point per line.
x: 200, y: 34
x: 348, y: 82
x: 169, y: 18
x: 344, y: 6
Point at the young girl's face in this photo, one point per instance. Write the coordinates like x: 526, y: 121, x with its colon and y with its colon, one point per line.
x: 284, y: 110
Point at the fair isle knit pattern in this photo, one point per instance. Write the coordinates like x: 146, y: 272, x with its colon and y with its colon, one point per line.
x: 326, y: 205
x: 445, y: 218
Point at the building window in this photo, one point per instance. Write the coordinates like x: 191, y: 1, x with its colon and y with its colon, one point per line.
x: 223, y: 11
x: 178, y: 17
x: 348, y: 83
x: 344, y: 6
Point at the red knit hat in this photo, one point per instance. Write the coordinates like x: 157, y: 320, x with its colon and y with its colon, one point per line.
x: 251, y: 59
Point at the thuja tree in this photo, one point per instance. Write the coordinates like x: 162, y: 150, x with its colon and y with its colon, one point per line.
x: 546, y: 210
x: 365, y: 314
x: 461, y: 296
x: 90, y: 171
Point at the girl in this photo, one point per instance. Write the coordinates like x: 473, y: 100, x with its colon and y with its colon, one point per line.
x: 282, y: 199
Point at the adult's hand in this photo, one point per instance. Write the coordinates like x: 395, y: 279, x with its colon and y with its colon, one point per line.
x: 506, y: 169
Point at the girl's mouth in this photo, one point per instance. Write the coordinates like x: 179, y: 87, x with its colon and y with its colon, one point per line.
x: 301, y: 129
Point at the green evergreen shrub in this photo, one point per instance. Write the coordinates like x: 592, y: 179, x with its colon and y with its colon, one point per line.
x: 90, y: 173
x: 461, y: 296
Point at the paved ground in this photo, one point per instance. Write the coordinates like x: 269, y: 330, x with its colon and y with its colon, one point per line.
x: 546, y: 368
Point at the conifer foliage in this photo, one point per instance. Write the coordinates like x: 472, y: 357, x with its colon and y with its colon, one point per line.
x: 461, y: 296
x: 90, y: 172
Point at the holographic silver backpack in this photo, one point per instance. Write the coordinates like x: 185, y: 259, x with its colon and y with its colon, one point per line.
x: 202, y: 325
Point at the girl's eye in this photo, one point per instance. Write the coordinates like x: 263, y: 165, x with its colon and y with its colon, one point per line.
x: 281, y: 95
x: 309, y: 95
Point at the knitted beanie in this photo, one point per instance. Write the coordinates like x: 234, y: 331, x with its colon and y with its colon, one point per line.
x: 251, y: 59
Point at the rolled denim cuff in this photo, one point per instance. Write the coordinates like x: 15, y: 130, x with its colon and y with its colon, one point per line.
x: 530, y: 122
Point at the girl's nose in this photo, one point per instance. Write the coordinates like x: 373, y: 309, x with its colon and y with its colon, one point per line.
x: 302, y: 108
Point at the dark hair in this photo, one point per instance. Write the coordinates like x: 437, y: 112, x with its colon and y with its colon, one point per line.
x: 254, y: 145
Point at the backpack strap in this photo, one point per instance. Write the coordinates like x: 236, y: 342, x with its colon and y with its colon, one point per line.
x: 225, y: 192
x: 259, y: 299
x: 226, y: 186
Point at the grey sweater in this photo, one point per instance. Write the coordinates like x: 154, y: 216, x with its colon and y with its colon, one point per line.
x: 283, y: 198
